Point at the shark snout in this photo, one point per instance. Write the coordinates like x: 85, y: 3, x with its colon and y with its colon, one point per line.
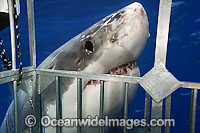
x: 136, y: 11
x: 135, y: 5
x: 139, y: 9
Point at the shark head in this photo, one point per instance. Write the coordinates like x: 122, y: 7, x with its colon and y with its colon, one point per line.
x: 113, y: 45
x: 116, y: 40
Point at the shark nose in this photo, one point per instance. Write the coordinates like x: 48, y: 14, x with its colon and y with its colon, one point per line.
x: 134, y: 5
x: 138, y: 8
x: 139, y: 11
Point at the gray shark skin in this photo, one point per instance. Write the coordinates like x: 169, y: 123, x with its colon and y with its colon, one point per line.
x: 112, y: 46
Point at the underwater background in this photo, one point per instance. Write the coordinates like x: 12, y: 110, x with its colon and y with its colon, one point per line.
x: 58, y: 21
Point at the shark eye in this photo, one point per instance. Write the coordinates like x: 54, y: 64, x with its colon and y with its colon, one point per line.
x: 89, y: 47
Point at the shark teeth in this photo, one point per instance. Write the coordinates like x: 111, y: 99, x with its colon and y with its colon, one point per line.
x: 124, y: 69
x: 130, y: 69
x: 93, y: 82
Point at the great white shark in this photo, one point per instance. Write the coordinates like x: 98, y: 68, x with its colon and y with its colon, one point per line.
x: 111, y: 46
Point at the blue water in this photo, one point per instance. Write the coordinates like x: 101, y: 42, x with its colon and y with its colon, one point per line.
x: 58, y: 21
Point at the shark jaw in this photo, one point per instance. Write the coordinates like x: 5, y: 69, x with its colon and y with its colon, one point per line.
x: 130, y: 69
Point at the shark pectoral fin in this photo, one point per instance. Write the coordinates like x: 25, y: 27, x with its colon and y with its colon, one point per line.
x: 24, y: 108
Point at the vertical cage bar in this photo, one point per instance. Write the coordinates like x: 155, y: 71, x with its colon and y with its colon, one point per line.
x: 125, y: 105
x: 31, y: 30
x: 146, y: 110
x: 13, y: 49
x: 36, y: 102
x: 41, y: 98
x: 167, y: 111
x: 42, y: 110
x: 79, y: 102
x: 12, y: 32
x: 32, y: 49
x: 16, y: 105
x: 156, y: 113
x: 40, y: 114
x: 162, y: 31
x: 101, y: 109
x: 58, y: 102
x: 40, y: 102
x: 193, y: 102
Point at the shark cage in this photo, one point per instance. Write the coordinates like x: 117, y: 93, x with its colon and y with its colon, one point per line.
x: 158, y: 83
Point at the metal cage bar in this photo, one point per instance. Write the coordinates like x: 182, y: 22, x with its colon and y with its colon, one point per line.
x: 16, y: 105
x: 31, y: 30
x: 162, y: 31
x: 156, y: 113
x: 160, y: 55
x: 94, y: 76
x: 101, y: 108
x: 193, y: 103
x: 79, y: 102
x: 11, y: 75
x: 36, y: 102
x: 58, y: 102
x: 125, y: 104
x: 42, y: 110
x: 147, y: 110
x: 167, y: 111
x: 40, y: 97
x: 13, y: 50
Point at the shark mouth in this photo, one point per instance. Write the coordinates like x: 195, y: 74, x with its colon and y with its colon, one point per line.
x: 130, y: 69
